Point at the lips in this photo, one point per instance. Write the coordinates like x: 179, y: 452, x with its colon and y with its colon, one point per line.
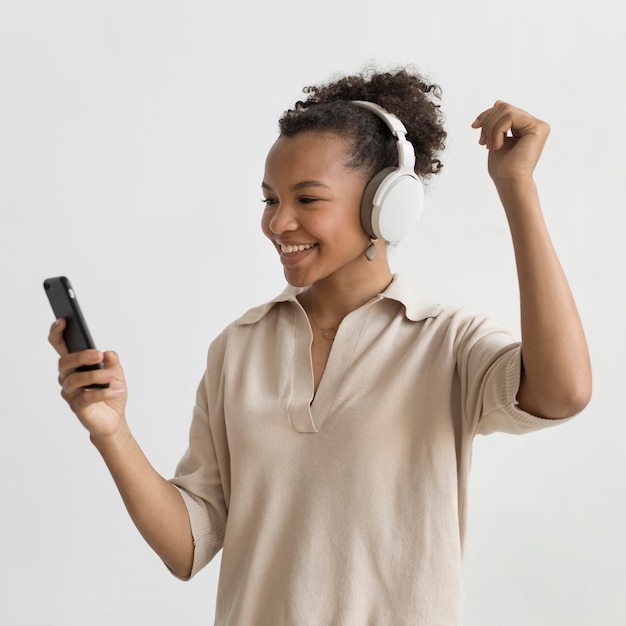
x: 292, y: 253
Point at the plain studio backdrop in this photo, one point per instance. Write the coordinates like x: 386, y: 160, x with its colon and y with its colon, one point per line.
x: 132, y: 144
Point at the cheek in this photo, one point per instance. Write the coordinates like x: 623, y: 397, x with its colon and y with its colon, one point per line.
x: 349, y: 220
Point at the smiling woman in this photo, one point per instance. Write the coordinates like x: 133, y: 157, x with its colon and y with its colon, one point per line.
x: 331, y: 440
x: 312, y: 211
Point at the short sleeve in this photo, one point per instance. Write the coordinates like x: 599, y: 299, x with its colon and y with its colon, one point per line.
x: 202, y: 472
x: 490, y: 364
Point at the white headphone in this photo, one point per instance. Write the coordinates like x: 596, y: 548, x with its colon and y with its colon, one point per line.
x: 393, y: 199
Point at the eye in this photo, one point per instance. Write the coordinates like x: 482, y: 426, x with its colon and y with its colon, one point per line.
x: 268, y: 201
x: 307, y: 200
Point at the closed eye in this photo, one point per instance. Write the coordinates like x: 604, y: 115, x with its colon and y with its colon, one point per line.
x: 268, y: 201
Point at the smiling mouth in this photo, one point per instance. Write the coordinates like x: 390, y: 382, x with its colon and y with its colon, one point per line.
x: 289, y: 249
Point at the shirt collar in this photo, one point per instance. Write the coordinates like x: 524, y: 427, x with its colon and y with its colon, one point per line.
x: 417, y: 307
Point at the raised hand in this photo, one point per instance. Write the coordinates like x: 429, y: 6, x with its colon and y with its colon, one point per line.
x: 514, y: 139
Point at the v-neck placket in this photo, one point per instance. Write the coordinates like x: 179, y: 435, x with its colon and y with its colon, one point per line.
x: 308, y: 410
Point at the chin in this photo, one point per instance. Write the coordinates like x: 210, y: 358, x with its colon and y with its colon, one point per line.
x: 296, y: 281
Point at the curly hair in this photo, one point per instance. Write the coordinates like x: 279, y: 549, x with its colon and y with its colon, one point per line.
x: 404, y: 93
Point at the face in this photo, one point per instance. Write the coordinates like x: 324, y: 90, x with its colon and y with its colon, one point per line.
x: 312, y: 212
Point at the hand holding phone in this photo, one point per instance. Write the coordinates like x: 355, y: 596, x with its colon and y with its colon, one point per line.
x: 76, y: 335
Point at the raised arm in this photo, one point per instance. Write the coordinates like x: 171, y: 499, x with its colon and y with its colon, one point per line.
x: 556, y: 372
x: 155, y: 506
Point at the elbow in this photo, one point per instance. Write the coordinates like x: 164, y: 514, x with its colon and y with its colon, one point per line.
x: 578, y: 399
x: 567, y: 406
x: 578, y: 395
x: 182, y: 571
x: 553, y: 403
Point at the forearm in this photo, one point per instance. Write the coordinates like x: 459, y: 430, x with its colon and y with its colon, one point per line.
x: 155, y: 505
x: 556, y: 378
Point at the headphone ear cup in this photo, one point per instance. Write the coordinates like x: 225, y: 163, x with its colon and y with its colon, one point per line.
x: 392, y: 203
x: 367, y: 202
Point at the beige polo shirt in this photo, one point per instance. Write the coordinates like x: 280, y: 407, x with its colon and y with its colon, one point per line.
x: 347, y: 506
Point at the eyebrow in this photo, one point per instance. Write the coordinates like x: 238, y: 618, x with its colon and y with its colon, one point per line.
x: 300, y: 185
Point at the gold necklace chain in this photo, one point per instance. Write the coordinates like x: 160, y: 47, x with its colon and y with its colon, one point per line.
x: 327, y: 333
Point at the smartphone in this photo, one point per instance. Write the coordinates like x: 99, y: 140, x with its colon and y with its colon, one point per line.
x: 64, y: 304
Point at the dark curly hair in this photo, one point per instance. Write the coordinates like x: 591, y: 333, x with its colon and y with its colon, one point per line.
x: 404, y: 93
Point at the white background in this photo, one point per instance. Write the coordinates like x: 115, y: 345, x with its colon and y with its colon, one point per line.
x: 132, y: 142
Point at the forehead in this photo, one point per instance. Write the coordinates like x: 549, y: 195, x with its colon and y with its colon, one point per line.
x: 308, y: 154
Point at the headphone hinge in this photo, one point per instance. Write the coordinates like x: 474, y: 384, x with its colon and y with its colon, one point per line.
x: 406, y: 154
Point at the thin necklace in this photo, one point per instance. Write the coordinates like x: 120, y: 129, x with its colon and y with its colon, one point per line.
x: 327, y: 333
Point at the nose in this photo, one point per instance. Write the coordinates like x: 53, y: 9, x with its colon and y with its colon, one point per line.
x: 283, y: 218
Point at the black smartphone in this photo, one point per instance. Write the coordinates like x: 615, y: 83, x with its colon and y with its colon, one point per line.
x: 77, y: 337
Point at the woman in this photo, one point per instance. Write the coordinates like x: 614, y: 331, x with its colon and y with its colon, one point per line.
x: 330, y: 443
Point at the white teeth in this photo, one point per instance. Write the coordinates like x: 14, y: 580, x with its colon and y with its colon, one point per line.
x: 288, y: 249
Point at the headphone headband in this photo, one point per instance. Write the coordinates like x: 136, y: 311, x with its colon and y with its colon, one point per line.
x: 406, y: 152
x: 393, y: 121
x: 393, y: 199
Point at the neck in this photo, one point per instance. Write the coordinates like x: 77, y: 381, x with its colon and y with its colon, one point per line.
x: 333, y: 298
